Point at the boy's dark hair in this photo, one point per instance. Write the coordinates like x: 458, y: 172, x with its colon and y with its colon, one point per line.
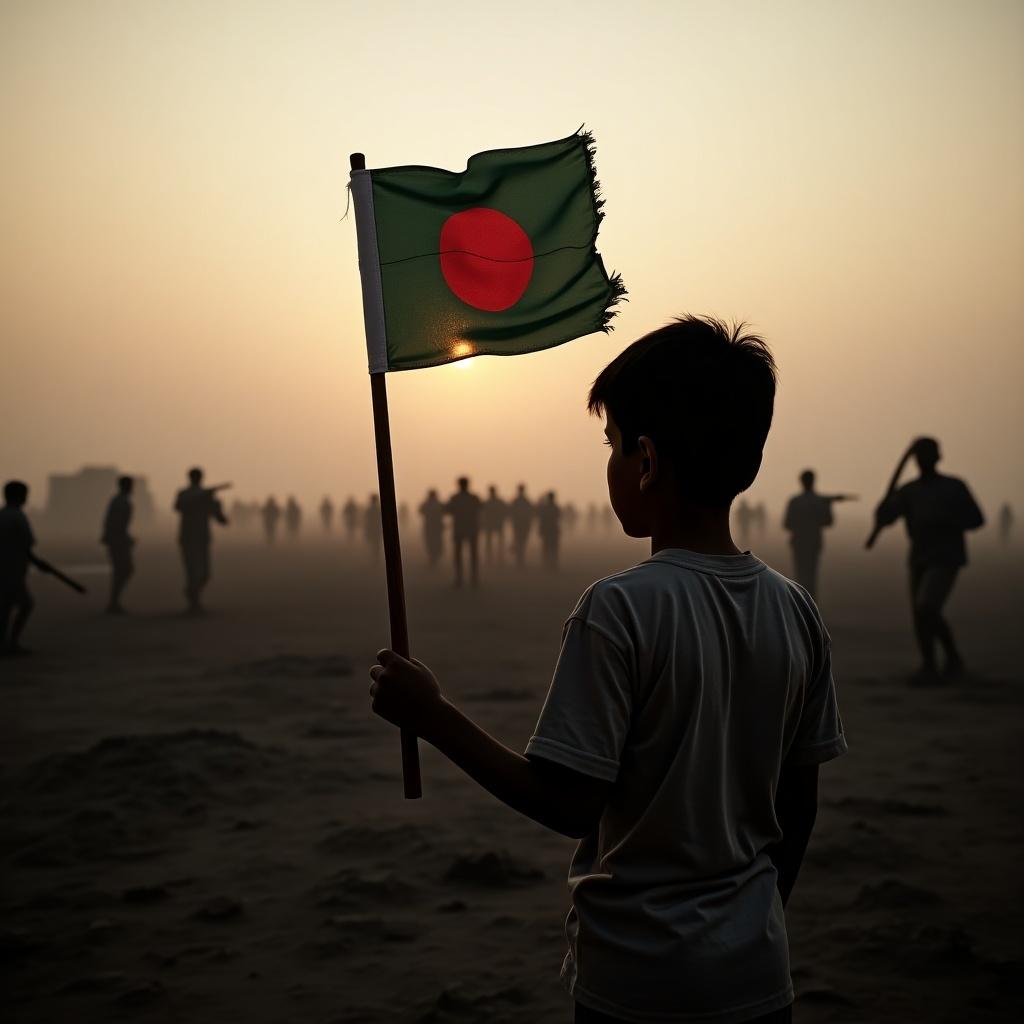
x: 704, y: 393
x: 15, y: 492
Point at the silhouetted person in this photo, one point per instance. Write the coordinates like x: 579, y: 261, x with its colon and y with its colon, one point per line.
x: 760, y: 518
x: 239, y: 513
x: 373, y: 527
x: 270, y: 513
x: 327, y: 514
x: 744, y: 519
x: 570, y: 516
x: 292, y: 517
x: 119, y: 542
x: 1005, y: 523
x: 16, y: 543
x: 432, y: 511
x: 492, y: 518
x: 690, y: 707
x: 549, y: 526
x: 196, y: 505
x: 464, y: 508
x: 937, y: 510
x: 351, y: 516
x: 521, y: 513
x: 591, y: 518
x: 807, y: 515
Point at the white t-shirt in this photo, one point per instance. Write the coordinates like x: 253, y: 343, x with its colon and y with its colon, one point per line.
x: 686, y: 680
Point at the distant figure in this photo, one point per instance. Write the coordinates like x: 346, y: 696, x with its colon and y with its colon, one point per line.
x: 464, y: 508
x: 492, y: 517
x: 760, y: 516
x: 937, y: 511
x: 432, y: 511
x: 403, y: 515
x: 270, y: 513
x: 197, y: 505
x: 350, y: 517
x: 570, y: 516
x: 239, y: 514
x: 521, y: 513
x: 549, y: 526
x: 744, y: 518
x: 16, y: 543
x: 292, y: 517
x: 118, y: 542
x: 591, y: 518
x: 327, y: 514
x: 373, y: 528
x: 1005, y: 523
x: 807, y: 515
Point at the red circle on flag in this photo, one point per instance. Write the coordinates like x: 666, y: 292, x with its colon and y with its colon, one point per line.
x: 486, y: 258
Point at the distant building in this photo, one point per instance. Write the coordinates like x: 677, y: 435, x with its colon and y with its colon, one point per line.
x: 76, y: 502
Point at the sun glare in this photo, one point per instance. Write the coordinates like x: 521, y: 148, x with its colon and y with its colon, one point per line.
x: 460, y: 350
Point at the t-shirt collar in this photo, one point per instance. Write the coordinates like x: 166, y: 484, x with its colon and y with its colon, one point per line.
x: 743, y: 564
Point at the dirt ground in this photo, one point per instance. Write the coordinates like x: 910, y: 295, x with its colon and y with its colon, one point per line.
x: 201, y: 820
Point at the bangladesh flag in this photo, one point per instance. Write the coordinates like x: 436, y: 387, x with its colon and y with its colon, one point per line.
x: 498, y: 259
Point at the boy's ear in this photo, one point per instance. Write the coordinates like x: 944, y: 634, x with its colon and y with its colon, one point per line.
x: 648, y: 463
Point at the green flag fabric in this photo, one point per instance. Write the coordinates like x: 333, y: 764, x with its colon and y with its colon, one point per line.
x: 498, y: 259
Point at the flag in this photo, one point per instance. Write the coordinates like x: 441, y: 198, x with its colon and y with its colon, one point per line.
x: 498, y: 259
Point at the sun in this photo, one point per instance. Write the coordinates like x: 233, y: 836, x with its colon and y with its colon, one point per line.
x: 460, y: 351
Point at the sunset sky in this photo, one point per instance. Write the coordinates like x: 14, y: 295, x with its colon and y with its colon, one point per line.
x: 177, y: 286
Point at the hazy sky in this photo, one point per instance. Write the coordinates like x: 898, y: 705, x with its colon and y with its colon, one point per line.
x: 177, y: 287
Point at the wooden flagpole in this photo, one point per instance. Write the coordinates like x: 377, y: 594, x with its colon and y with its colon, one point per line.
x: 392, y: 548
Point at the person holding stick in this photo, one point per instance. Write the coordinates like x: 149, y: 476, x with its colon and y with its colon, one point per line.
x: 16, y: 543
x: 937, y: 510
x: 807, y: 515
x: 690, y: 708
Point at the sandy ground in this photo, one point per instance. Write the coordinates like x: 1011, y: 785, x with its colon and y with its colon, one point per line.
x: 200, y: 820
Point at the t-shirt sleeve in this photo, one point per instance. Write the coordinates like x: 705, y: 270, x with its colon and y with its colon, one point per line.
x: 819, y: 734
x: 586, y: 714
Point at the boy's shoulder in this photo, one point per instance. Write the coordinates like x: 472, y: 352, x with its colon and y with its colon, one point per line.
x: 634, y: 594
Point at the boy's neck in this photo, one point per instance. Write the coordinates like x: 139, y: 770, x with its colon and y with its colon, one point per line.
x: 700, y: 528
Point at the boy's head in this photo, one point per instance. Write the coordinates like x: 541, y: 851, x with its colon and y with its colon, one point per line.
x: 195, y: 476
x: 15, y: 493
x: 688, y: 408
x: 807, y: 479
x: 463, y: 483
x: 124, y: 484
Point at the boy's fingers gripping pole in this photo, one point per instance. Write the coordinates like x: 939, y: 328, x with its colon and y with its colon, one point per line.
x: 392, y: 549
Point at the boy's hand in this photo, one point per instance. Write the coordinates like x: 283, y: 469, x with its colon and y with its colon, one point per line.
x: 405, y: 693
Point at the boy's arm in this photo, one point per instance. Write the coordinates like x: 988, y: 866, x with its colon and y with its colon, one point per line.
x: 407, y: 695
x: 796, y: 807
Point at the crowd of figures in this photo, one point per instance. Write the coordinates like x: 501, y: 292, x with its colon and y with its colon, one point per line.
x: 936, y: 509
x: 463, y: 521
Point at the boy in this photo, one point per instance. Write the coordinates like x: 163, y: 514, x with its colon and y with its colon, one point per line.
x: 690, y: 707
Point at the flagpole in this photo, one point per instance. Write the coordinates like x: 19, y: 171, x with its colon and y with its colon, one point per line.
x: 392, y: 548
